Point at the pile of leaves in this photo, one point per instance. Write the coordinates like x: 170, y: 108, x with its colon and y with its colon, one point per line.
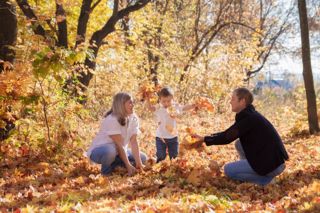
x: 192, y: 182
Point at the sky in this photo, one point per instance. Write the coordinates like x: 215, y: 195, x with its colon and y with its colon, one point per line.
x: 279, y: 63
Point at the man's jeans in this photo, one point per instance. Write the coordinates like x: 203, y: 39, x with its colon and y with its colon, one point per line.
x: 107, y: 156
x: 162, y: 144
x: 241, y: 170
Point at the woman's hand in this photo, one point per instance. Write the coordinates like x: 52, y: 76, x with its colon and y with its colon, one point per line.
x: 131, y: 170
x: 140, y: 167
x: 136, y: 152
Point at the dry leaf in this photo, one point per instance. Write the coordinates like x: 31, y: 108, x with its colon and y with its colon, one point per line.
x: 194, y: 177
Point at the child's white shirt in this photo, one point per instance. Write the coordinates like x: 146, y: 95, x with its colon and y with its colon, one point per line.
x: 167, y: 125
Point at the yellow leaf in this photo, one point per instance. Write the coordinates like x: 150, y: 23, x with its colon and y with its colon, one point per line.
x: 190, y: 140
x: 194, y: 177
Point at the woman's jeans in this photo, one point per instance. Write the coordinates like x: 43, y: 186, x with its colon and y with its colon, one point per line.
x: 241, y: 170
x: 109, y: 159
x: 162, y: 144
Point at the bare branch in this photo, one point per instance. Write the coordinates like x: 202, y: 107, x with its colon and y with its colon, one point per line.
x: 271, y: 43
x: 196, y: 22
x: 95, y: 5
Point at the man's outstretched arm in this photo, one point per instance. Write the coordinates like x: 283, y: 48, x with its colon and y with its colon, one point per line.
x: 232, y: 133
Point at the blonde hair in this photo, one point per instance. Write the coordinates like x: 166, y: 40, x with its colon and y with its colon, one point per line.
x: 118, y: 108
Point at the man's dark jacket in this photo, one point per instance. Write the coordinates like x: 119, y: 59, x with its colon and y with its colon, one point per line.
x: 261, y: 143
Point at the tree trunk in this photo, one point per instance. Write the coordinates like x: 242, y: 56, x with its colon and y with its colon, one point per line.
x: 28, y: 12
x: 83, y: 21
x: 154, y: 62
x: 83, y: 75
x: 95, y: 44
x: 96, y: 40
x: 62, y: 26
x: 8, y: 32
x: 307, y: 69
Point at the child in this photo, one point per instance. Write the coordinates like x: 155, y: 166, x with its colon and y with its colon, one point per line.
x: 167, y: 134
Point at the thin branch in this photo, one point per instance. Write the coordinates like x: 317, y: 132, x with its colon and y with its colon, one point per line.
x: 140, y: 4
x: 266, y: 56
x: 211, y: 29
x: 44, y: 108
x: 48, y: 21
x: 95, y: 5
x: 200, y: 48
x: 163, y: 14
x: 197, y: 19
x: 271, y: 43
x: 214, y: 34
x: 105, y: 30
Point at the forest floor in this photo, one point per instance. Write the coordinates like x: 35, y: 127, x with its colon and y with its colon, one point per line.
x: 194, y: 182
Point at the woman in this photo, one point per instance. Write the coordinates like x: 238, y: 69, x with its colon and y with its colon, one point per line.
x: 119, y: 127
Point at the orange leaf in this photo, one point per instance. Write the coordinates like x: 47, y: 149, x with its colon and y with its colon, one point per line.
x: 148, y: 90
x: 190, y: 130
x: 204, y: 103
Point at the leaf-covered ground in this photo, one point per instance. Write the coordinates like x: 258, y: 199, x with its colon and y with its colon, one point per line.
x: 192, y: 183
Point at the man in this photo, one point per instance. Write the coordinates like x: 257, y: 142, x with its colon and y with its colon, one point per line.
x: 262, y: 153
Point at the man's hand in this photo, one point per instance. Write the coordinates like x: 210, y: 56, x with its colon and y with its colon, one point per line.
x: 199, y: 141
x: 197, y: 144
x: 197, y: 137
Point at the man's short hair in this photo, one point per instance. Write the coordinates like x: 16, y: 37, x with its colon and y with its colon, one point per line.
x: 244, y: 93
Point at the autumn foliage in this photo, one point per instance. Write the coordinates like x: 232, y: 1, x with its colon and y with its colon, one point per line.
x: 149, y: 92
x: 46, y: 126
x: 203, y: 104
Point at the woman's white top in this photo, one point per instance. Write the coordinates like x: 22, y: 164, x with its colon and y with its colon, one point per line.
x: 111, y: 126
x: 167, y: 125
